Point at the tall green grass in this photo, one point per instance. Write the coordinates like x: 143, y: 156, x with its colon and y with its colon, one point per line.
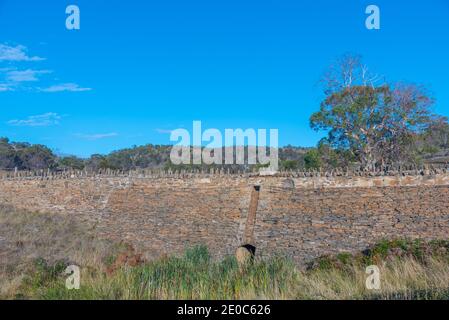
x: 192, y: 276
x: 195, y: 275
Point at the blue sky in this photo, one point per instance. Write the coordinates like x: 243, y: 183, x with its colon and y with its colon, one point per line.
x: 138, y: 69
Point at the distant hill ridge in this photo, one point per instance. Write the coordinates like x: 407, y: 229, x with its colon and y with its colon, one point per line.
x: 26, y: 156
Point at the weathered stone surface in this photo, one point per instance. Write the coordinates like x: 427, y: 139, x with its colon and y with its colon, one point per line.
x: 244, y: 257
x: 309, y: 217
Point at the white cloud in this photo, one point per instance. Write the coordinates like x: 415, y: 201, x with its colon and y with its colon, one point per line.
x: 25, y: 75
x: 12, y: 77
x: 17, y: 53
x: 42, y: 120
x: 71, y: 87
x: 97, y: 136
x: 4, y: 87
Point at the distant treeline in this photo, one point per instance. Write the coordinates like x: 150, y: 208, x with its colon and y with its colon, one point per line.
x: 432, y: 146
x: 25, y: 156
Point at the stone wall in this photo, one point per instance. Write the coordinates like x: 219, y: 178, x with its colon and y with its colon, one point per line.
x: 303, y: 217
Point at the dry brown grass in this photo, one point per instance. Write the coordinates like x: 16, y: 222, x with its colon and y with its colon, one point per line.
x: 25, y: 237
x: 400, y: 279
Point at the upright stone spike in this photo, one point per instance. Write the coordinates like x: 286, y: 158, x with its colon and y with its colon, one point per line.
x: 246, y: 252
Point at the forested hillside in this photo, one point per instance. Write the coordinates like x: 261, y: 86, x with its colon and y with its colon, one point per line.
x: 432, y: 147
